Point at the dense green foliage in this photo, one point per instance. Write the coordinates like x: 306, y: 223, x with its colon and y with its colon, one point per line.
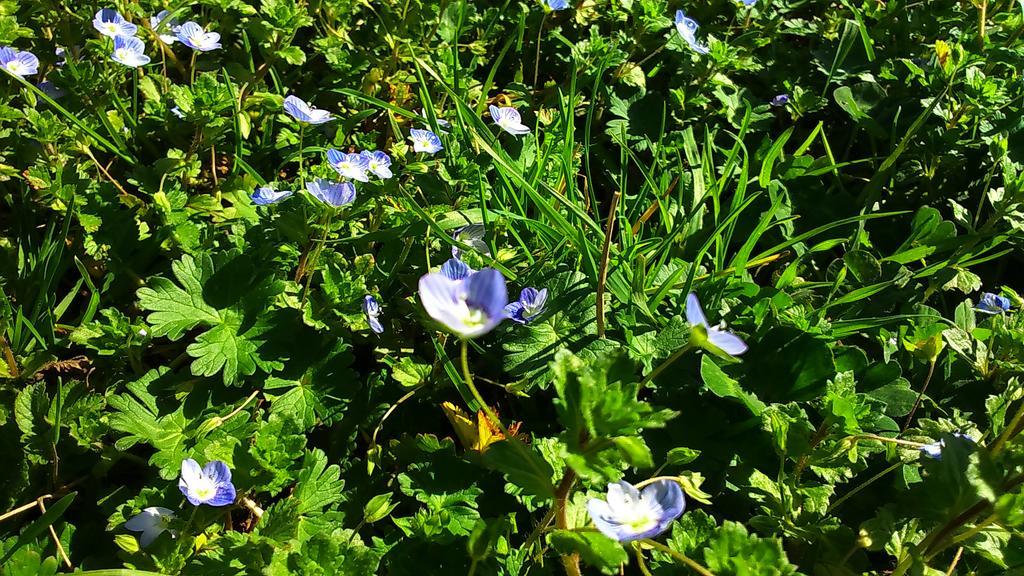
x: 152, y: 313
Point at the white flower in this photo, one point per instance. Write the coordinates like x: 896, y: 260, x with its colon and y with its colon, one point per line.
x: 509, y: 120
x: 151, y: 522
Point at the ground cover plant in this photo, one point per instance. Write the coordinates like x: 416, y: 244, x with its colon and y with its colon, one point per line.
x: 412, y: 287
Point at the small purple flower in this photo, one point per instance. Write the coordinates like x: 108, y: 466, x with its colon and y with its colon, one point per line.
x: 371, y: 308
x: 210, y: 485
x: 298, y: 108
x: 687, y: 28
x: 17, y: 62
x: 109, y: 22
x: 456, y: 270
x: 472, y: 235
x: 152, y: 522
x: 265, y: 195
x: 352, y: 166
x: 557, y: 5
x: 509, y: 120
x: 780, y: 100
x: 192, y: 35
x: 934, y: 450
x: 378, y: 163
x: 749, y: 2
x: 425, y: 141
x: 158, y: 24
x: 628, y: 514
x: 332, y: 193
x: 990, y: 303
x: 470, y: 307
x: 530, y: 304
x: 129, y: 51
x: 704, y: 334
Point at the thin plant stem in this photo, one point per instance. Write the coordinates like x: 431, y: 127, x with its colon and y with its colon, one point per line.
x: 862, y: 486
x: 640, y: 562
x: 302, y: 175
x: 536, y: 60
x: 315, y: 256
x: 605, y: 252
x: 56, y: 540
x: 956, y: 560
x: 668, y: 362
x: 679, y: 556
x: 917, y: 402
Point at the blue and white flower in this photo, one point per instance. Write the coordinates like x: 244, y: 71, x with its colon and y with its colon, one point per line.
x: 62, y: 58
x: 990, y: 303
x: 378, y: 163
x: 109, y: 22
x: 129, y: 51
x: 332, y: 193
x: 210, y: 485
x: 469, y: 307
x: 265, y: 195
x: 371, y: 308
x: 557, y: 5
x: 152, y: 522
x: 303, y: 112
x: 780, y: 100
x: 425, y: 141
x: 530, y: 305
x: 192, y: 35
x: 687, y: 28
x: 471, y: 235
x: 934, y: 450
x: 509, y: 120
x: 17, y: 62
x: 177, y: 112
x: 703, y: 334
x: 161, y: 24
x: 628, y: 514
x: 352, y: 166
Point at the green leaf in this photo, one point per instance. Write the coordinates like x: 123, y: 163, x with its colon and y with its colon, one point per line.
x: 731, y: 551
x: 721, y: 385
x: 319, y: 485
x: 522, y: 466
x: 223, y: 348
x: 594, y: 548
x: 175, y: 309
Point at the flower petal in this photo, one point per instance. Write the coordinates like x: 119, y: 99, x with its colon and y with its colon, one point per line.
x: 694, y: 313
x: 726, y: 342
x: 217, y: 471
x: 190, y: 471
x: 225, y: 495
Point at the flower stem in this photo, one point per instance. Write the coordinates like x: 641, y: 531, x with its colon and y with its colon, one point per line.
x: 571, y: 562
x: 668, y: 362
x: 314, y: 256
x: 679, y: 556
x: 302, y: 175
